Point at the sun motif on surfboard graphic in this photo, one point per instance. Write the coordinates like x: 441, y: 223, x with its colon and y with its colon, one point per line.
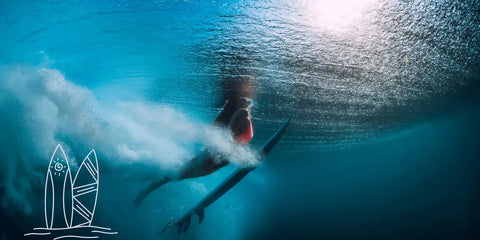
x: 70, y: 203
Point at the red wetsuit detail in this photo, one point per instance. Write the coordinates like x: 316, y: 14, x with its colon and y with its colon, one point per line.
x: 245, y: 137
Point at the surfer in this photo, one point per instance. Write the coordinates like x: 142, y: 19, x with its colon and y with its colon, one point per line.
x: 235, y: 116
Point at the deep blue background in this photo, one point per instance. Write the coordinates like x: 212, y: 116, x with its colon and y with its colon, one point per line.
x: 385, y: 139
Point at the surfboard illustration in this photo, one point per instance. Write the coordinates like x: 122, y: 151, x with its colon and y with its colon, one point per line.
x: 58, y: 191
x: 70, y: 205
x: 85, y: 191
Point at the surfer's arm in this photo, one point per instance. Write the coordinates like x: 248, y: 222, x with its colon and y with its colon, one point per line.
x: 224, y: 117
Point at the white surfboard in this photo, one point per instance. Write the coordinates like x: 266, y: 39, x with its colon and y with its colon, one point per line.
x: 58, y: 191
x: 85, y: 191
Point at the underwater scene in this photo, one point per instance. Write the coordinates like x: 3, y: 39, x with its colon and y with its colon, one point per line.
x: 300, y: 119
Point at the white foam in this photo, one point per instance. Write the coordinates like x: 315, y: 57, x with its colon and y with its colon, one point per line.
x: 40, y: 108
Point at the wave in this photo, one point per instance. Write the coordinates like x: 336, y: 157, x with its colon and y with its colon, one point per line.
x: 40, y: 109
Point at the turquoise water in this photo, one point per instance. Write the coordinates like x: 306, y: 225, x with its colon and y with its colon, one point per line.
x: 384, y: 96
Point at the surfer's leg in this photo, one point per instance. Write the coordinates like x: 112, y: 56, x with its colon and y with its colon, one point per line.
x: 145, y: 192
x: 197, y: 167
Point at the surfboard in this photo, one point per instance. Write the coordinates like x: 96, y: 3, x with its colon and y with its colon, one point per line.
x: 85, y: 191
x: 58, y: 191
x: 183, y: 223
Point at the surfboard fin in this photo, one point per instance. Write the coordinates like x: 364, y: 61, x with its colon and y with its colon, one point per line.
x: 182, y: 225
x: 201, y: 215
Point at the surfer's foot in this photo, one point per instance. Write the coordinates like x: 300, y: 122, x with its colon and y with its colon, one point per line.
x: 145, y: 192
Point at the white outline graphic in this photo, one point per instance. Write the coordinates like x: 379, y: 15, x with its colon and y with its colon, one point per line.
x: 89, y: 170
x: 58, y: 168
x: 78, y: 214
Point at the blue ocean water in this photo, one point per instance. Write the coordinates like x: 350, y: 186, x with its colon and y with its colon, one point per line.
x: 384, y: 141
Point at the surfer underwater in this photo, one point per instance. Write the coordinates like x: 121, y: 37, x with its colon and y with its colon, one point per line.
x: 234, y: 116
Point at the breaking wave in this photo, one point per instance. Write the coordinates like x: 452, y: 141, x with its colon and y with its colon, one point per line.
x: 40, y: 108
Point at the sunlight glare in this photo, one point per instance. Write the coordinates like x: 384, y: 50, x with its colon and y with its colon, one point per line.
x: 336, y: 15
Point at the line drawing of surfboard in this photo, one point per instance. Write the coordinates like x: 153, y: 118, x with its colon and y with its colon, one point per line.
x: 58, y: 191
x: 85, y: 191
x: 70, y: 205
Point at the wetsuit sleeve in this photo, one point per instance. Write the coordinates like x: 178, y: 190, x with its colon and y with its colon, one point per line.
x: 224, y: 117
